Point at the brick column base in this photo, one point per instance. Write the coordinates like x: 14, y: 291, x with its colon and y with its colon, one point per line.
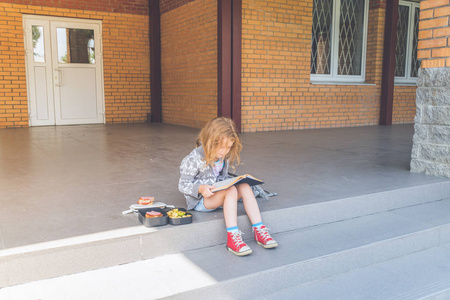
x: 431, y: 141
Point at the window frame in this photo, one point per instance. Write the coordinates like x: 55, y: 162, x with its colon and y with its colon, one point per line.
x: 407, y: 79
x: 333, y: 77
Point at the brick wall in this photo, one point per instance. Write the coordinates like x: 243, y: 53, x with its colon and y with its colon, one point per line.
x: 125, y: 62
x: 168, y: 5
x: 126, y: 65
x: 277, y: 93
x: 189, y: 63
x: 13, y: 87
x: 375, y: 42
x: 138, y: 7
x: 276, y: 40
x: 434, y: 34
x: 404, y: 107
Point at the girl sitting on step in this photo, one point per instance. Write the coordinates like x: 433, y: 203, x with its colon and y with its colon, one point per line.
x: 218, y: 146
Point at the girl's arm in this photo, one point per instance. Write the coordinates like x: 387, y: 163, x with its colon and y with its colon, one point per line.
x: 205, y: 190
x: 188, y: 170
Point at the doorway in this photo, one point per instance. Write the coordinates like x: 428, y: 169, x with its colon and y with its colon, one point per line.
x: 64, y: 71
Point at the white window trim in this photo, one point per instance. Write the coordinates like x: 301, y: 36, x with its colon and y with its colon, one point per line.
x: 333, y: 77
x: 407, y: 79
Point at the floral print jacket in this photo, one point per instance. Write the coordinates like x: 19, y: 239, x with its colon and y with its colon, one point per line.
x: 194, y: 173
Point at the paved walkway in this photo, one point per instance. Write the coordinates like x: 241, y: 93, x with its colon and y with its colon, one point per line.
x: 66, y: 181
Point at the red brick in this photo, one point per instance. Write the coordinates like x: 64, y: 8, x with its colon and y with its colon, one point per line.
x: 433, y: 63
x: 433, y: 3
x: 442, y: 11
x: 441, y: 52
x: 439, y: 32
x: 433, y: 23
x: 434, y: 43
x: 425, y: 34
x: 426, y: 14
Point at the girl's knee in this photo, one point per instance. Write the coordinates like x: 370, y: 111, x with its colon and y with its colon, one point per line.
x: 244, y: 189
x: 232, y: 191
x: 244, y: 186
x: 245, y: 192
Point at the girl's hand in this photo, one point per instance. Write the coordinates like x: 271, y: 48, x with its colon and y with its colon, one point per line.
x: 205, y: 190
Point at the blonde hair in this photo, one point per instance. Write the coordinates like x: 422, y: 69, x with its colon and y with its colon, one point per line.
x: 212, y: 135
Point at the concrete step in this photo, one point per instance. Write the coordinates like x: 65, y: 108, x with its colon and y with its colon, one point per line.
x: 422, y: 275
x: 319, y: 252
x: 305, y: 258
x: 106, y: 249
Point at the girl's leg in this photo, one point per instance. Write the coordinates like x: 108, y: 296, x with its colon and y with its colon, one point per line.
x: 250, y: 204
x: 228, y: 200
x: 260, y: 231
x: 230, y: 207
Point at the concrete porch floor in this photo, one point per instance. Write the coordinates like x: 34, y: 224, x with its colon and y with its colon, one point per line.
x: 67, y: 181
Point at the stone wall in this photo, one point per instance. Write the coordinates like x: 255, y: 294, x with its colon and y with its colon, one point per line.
x: 431, y: 141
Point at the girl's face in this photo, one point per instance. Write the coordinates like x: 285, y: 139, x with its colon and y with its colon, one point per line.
x: 224, y: 148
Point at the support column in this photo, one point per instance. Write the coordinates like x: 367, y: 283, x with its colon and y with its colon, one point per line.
x: 237, y: 57
x: 387, y: 80
x: 155, y: 61
x: 229, y: 25
x: 431, y: 141
x: 224, y: 57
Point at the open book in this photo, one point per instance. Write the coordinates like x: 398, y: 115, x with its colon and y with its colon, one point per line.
x: 247, y: 178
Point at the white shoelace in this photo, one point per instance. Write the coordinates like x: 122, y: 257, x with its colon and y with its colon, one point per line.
x: 237, y: 238
x: 264, y: 232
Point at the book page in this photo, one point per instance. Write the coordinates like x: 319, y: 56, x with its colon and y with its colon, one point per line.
x: 223, y: 185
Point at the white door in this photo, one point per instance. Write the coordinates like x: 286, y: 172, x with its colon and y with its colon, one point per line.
x: 64, y: 71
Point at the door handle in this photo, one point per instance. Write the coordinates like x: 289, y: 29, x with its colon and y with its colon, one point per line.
x: 59, y: 77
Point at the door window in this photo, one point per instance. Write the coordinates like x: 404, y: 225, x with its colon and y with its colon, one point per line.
x: 75, y: 46
x: 38, y: 43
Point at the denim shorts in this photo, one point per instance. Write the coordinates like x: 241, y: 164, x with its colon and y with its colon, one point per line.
x: 201, y: 207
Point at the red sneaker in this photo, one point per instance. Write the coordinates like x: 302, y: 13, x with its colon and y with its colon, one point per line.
x: 236, y: 245
x: 263, y: 237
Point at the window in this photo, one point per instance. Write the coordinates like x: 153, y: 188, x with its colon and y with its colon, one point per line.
x: 338, y: 41
x: 38, y: 43
x: 406, y: 63
x: 75, y: 46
